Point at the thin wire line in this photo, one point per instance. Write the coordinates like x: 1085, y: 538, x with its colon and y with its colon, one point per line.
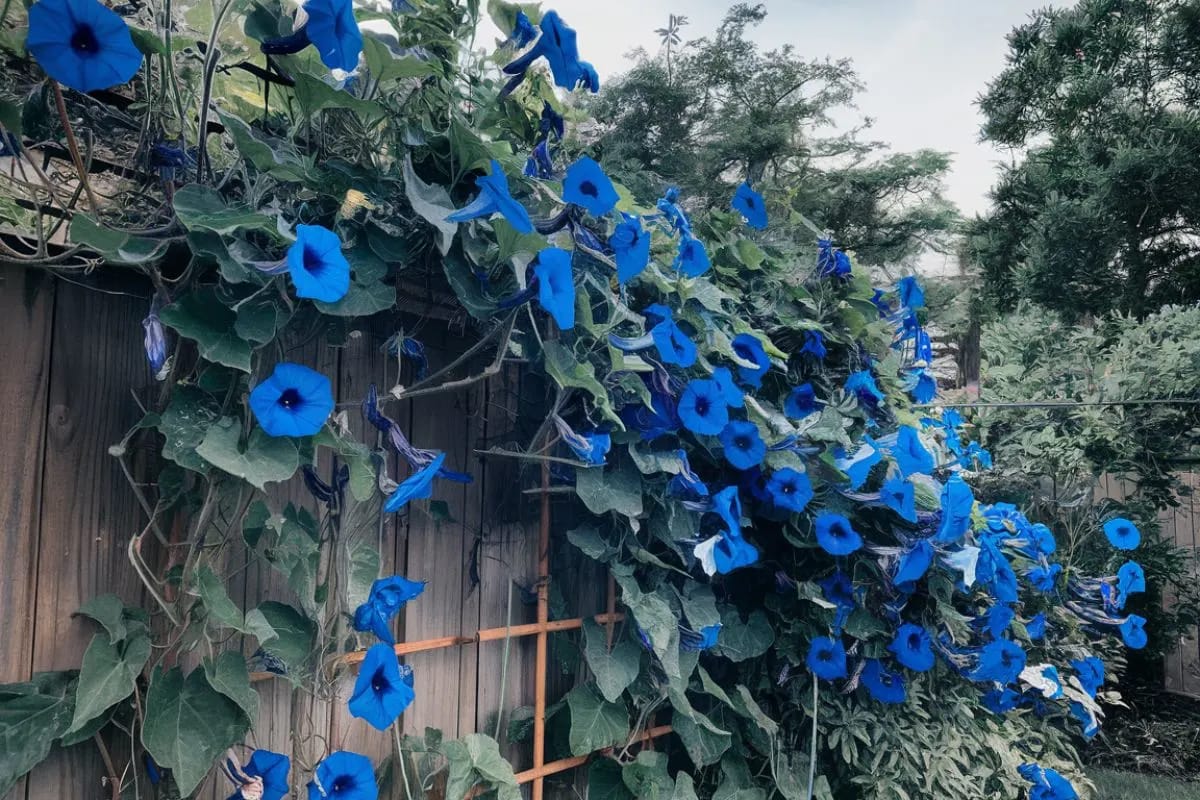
x: 1062, y: 403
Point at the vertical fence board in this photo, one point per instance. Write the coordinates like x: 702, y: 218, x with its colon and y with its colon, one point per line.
x: 26, y: 315
x: 436, y: 554
x: 1186, y: 538
x: 88, y: 513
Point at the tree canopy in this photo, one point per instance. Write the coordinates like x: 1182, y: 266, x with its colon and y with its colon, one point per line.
x: 1101, y: 213
x: 708, y: 113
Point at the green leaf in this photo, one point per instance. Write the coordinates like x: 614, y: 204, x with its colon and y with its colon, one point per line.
x: 229, y: 676
x: 109, y: 611
x: 617, y: 487
x: 189, y: 724
x: 268, y: 154
x: 476, y: 759
x: 357, y: 457
x: 605, y: 781
x: 313, y: 94
x: 117, y: 247
x: 295, y: 635
x: 265, y: 459
x: 202, y: 208
x: 224, y: 611
x: 863, y: 625
x: 385, y: 65
x: 466, y: 286
x: 570, y: 373
x: 184, y: 423
x: 260, y: 319
x: 295, y: 552
x: 740, y: 639
x: 646, y: 776
x: 148, y: 42
x: 703, y: 746
x: 655, y: 617
x: 432, y: 203
x: 587, y: 538
x: 32, y: 716
x: 10, y: 118
x: 504, y: 14
x: 108, y: 675
x: 615, y: 669
x: 362, y: 300
x: 595, y: 723
x: 200, y: 316
x: 754, y: 712
x: 750, y: 254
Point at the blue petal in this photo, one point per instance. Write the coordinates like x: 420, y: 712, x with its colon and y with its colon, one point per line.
x: 556, y: 286
x: 293, y: 401
x: 586, y: 185
x: 315, y: 262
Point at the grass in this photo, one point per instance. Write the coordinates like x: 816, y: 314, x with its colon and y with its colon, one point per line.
x: 1128, y: 785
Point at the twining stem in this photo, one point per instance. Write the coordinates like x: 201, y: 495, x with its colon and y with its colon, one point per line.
x: 812, y: 747
x: 72, y: 144
x: 400, y: 759
x: 504, y: 663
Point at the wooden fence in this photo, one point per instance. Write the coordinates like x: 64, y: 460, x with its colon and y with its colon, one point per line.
x: 72, y: 370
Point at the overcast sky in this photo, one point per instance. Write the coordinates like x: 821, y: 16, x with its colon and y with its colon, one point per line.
x: 924, y: 61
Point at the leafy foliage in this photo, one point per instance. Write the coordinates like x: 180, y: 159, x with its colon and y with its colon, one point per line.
x: 722, y: 587
x: 1100, y: 215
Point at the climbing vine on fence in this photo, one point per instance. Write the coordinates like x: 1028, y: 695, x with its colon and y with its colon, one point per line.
x: 815, y: 602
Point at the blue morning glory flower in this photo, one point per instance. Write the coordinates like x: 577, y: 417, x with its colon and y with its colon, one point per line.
x: 1087, y: 719
x: 727, y: 551
x: 551, y: 122
x: 789, y: 489
x: 836, y: 535
x: 913, y: 648
x: 702, y: 408
x: 686, y: 484
x: 558, y: 45
x: 957, y: 503
x: 1043, y: 578
x: 921, y: 384
x: 154, y: 341
x: 814, y: 344
x: 1131, y: 579
x: 293, y: 401
x: 658, y: 419
x: 911, y: 294
x: 1047, y: 784
x: 911, y: 456
x: 734, y: 397
x: 319, y: 270
x: 418, y: 486
x: 668, y: 207
x: 914, y: 563
x: 750, y: 349
x: 82, y: 44
x: 524, y: 31
x: 692, y: 259
x: 556, y: 285
x: 1122, y: 533
x: 696, y: 641
x: 631, y: 247
x: 586, y: 185
x: 540, y: 164
x: 995, y: 572
x: 1001, y: 701
x: 494, y: 196
x: 344, y: 776
x: 923, y: 347
x: 831, y: 262
x: 1036, y: 627
x: 1000, y: 661
x: 861, y: 384
x: 1133, y: 632
x: 826, y: 658
x: 381, y: 693
x: 900, y: 495
x: 750, y: 204
x: 334, y: 32
x: 997, y: 619
x: 673, y: 345
x: 884, y: 686
x: 594, y: 448
x: 267, y: 773
x: 1041, y: 539
x: 386, y: 598
x: 1090, y: 672
x: 801, y: 402
x: 743, y: 447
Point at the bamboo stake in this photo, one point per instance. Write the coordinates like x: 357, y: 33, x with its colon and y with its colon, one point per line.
x: 543, y: 616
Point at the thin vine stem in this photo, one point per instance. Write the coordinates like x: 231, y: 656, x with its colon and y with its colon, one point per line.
x: 72, y: 143
x: 812, y: 747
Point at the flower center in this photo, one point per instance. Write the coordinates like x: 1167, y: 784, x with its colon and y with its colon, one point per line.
x: 702, y: 406
x: 825, y: 655
x: 788, y: 488
x: 378, y: 684
x: 743, y: 443
x: 313, y: 262
x: 344, y: 783
x: 914, y: 641
x: 84, y: 40
x: 290, y: 399
x: 588, y: 188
